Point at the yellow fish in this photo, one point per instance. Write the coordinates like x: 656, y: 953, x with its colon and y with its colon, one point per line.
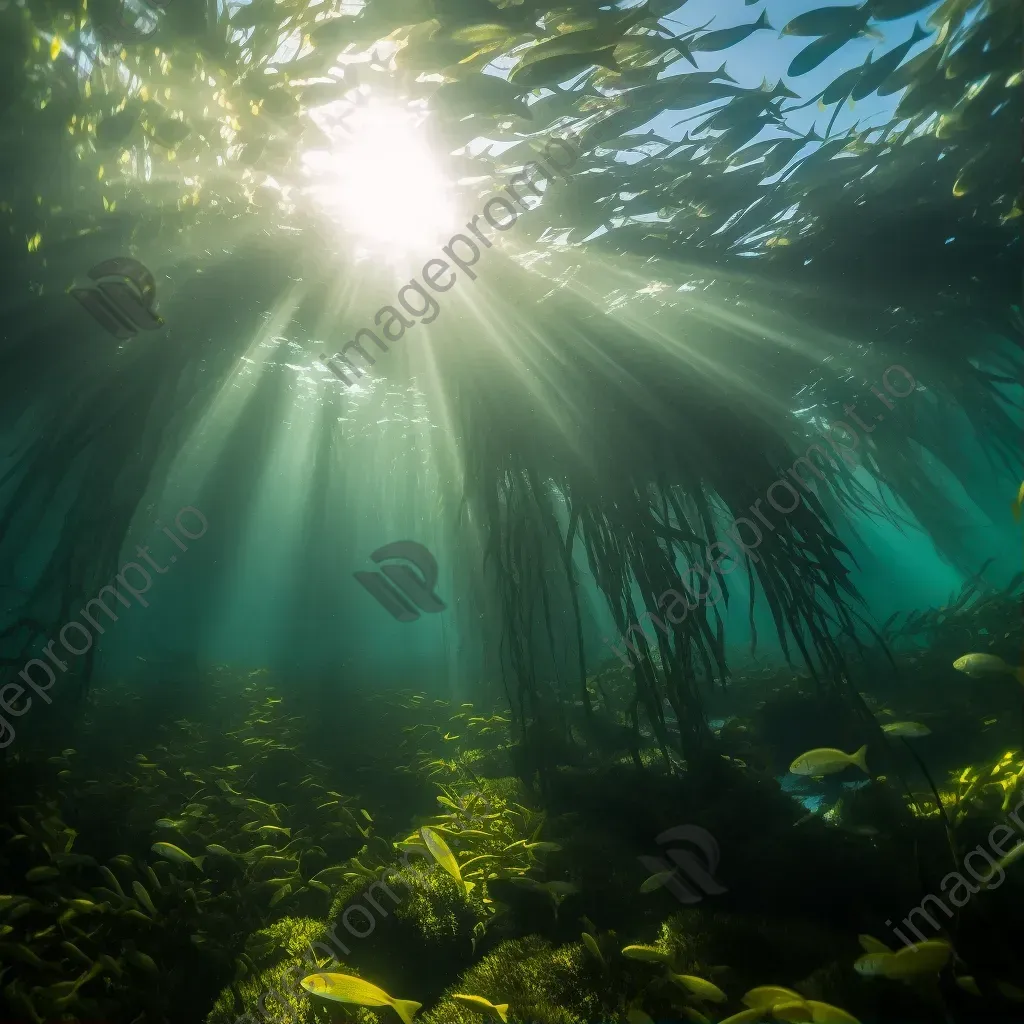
x: 346, y: 988
x: 978, y: 666
x: 484, y: 1006
x: 912, y: 730
x: 1018, y: 503
x: 912, y: 961
x: 649, y: 954
x: 176, y: 854
x: 828, y: 761
x: 441, y: 852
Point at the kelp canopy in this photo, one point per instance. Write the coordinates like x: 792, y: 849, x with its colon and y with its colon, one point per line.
x: 616, y: 394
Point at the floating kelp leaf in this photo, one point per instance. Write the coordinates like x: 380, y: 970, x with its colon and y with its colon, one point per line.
x: 169, y: 132
x: 814, y: 53
x: 116, y: 128
x: 481, y: 94
x: 558, y: 69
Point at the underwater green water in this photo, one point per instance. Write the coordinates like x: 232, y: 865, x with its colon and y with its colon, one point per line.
x: 511, y: 513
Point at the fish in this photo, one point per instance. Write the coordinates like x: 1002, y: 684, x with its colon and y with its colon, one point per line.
x: 442, y: 853
x: 346, y: 988
x: 274, y: 829
x: 540, y: 847
x: 871, y: 965
x: 484, y: 1006
x: 722, y: 39
x: 1018, y: 503
x: 979, y: 666
x: 176, y: 854
x: 912, y: 730
x: 828, y: 761
x: 924, y: 958
x: 648, y: 954
x: 560, y: 68
x: 826, y: 21
x: 704, y: 990
x: 816, y: 53
x: 882, y: 68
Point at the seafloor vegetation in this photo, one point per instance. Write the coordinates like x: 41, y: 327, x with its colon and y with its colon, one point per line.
x: 209, y: 840
x: 188, y: 847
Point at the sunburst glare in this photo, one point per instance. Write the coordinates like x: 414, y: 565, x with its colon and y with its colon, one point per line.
x: 380, y: 180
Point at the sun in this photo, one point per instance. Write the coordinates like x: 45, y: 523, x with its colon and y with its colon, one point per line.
x: 380, y: 180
